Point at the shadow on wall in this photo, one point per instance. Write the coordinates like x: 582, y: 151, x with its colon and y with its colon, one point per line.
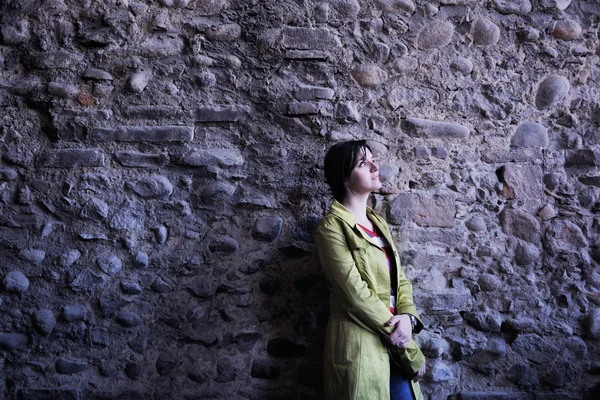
x: 594, y: 394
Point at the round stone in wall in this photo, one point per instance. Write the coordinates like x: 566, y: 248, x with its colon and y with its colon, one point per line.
x: 551, y: 91
x: 34, y: 256
x: 558, y: 4
x: 566, y: 29
x: 518, y: 7
x: 526, y: 254
x: 476, y: 223
x: 153, y: 187
x: 530, y: 134
x: 109, y: 263
x: 68, y: 258
x: 44, y: 321
x: 396, y: 5
x: 435, y: 35
x: 141, y: 260
x: 369, y: 75
x: 74, y: 313
x: 15, y: 282
x: 129, y: 319
x: 174, y: 3
x: 267, y: 228
x: 224, y: 244
x: 489, y: 282
x: 462, y: 65
x: 217, y: 191
x: 485, y: 32
x: 138, y: 81
x: 210, y: 7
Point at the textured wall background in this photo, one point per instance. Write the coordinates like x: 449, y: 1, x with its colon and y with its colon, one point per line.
x: 161, y: 176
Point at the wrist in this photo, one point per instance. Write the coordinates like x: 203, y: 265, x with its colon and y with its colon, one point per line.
x: 413, y: 321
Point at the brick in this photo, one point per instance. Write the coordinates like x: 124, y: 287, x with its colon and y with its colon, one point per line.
x: 309, y: 39
x: 303, y: 108
x: 492, y: 396
x: 525, y: 180
x: 95, y: 113
x: 535, y: 348
x: 521, y: 155
x: 431, y: 211
x: 446, y: 300
x: 64, y: 394
x: 222, y: 114
x: 214, y: 157
x: 137, y: 159
x: 62, y: 90
x: 306, y: 55
x: 584, y: 158
x: 144, y: 134
x: 308, y: 93
x: 161, y: 47
x: 151, y: 112
x: 56, y: 60
x: 424, y: 128
x: 586, y: 180
x: 72, y: 158
x: 521, y: 225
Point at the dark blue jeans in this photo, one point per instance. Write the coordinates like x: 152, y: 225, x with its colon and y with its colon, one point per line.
x: 400, y: 388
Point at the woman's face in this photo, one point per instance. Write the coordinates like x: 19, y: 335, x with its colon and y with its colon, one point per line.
x: 364, y: 178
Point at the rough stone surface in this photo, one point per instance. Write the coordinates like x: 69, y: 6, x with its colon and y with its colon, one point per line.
x: 551, y: 91
x: 161, y: 178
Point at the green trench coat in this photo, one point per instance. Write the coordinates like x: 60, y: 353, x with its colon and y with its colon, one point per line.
x: 357, y: 361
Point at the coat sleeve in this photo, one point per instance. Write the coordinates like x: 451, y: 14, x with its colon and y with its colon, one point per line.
x: 360, y: 302
x: 409, y: 359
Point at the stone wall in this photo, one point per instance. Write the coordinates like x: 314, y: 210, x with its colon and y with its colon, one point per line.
x: 161, y: 177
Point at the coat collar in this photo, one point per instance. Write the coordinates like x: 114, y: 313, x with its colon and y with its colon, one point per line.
x: 348, y: 217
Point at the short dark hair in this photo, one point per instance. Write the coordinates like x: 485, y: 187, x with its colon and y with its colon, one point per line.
x: 340, y: 160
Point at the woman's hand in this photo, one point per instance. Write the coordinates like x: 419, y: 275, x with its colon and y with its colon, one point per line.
x: 402, y: 333
x: 420, y: 373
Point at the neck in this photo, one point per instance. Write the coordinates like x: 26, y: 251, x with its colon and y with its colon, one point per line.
x: 357, y: 204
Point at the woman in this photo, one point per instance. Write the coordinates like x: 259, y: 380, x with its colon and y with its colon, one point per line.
x: 369, y: 351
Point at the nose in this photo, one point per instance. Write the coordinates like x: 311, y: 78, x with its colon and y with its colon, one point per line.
x: 374, y: 167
